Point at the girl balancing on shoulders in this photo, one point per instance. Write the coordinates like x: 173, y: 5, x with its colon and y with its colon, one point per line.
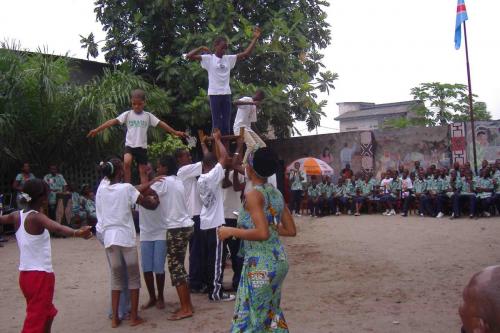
x: 36, y: 277
x: 263, y: 218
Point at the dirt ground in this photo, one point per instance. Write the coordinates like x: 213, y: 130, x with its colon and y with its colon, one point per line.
x: 347, y: 274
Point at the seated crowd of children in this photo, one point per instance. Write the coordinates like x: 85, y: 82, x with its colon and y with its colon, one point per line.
x: 433, y: 192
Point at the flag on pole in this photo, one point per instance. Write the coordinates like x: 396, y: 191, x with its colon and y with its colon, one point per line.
x: 461, y: 17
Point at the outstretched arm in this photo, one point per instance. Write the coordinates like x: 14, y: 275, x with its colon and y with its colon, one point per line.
x: 249, y: 49
x: 170, y: 130
x: 109, y: 123
x: 53, y: 226
x: 195, y: 54
x: 10, y: 218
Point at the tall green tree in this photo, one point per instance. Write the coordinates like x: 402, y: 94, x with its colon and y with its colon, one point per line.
x: 44, y: 116
x: 442, y: 103
x: 152, y: 36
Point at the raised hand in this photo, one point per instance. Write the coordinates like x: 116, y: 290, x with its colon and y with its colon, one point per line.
x: 217, y: 134
x: 257, y: 32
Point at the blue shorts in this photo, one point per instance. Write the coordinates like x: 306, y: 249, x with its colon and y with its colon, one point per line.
x: 153, y: 256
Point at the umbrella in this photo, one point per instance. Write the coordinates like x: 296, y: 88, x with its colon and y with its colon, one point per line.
x: 312, y: 166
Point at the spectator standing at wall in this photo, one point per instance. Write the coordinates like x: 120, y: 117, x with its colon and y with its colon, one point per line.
x: 297, y: 178
x: 57, y: 185
x: 19, y: 182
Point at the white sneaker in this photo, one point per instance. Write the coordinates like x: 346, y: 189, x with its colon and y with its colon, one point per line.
x: 337, y: 213
x: 225, y: 297
x: 349, y: 212
x: 392, y: 212
x: 386, y: 213
x: 486, y: 214
x: 439, y: 215
x: 421, y: 214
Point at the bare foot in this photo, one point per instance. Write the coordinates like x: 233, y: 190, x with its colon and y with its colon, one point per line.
x: 115, y: 322
x: 180, y: 315
x: 160, y: 304
x: 137, y: 321
x: 149, y: 304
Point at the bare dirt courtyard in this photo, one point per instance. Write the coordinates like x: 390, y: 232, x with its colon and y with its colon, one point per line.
x: 347, y: 274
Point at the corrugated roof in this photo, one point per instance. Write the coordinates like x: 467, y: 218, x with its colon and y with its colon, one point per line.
x: 378, y: 110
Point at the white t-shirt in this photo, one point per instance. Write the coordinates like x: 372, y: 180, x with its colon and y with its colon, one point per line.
x: 232, y: 199
x: 212, y: 210
x: 245, y: 116
x: 137, y: 127
x: 218, y: 70
x: 173, y: 208
x: 406, y: 184
x: 113, y: 210
x: 188, y: 174
x: 385, y: 183
x: 151, y: 224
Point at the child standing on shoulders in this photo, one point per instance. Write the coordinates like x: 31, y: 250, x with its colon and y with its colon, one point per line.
x: 115, y: 222
x: 36, y: 277
x: 136, y: 142
x: 245, y: 116
x: 219, y: 65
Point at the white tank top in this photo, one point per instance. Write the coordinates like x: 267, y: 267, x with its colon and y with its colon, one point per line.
x: 35, y: 251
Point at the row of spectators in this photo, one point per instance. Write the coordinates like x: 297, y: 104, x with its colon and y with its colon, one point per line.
x: 433, y: 192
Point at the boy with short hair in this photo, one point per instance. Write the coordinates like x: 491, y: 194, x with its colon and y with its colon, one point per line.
x: 136, y: 142
x: 219, y: 65
x: 212, y: 217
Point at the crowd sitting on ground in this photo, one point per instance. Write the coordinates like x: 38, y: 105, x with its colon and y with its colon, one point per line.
x: 433, y: 192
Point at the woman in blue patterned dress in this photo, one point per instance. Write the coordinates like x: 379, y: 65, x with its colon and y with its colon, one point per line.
x: 262, y: 219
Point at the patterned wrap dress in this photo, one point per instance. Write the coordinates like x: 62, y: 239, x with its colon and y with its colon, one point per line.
x: 265, y: 266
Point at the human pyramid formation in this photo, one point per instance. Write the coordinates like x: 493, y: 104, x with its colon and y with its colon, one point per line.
x: 186, y: 203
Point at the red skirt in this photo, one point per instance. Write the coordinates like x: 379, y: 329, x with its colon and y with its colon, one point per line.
x: 38, y: 289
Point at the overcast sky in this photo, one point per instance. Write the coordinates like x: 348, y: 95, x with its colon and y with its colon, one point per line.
x: 380, y: 49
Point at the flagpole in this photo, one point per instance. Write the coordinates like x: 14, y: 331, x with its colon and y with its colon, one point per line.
x: 471, y: 108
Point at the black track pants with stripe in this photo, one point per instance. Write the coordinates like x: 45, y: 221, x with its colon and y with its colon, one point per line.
x: 216, y: 254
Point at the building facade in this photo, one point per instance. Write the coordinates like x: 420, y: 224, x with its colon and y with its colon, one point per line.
x: 361, y: 116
